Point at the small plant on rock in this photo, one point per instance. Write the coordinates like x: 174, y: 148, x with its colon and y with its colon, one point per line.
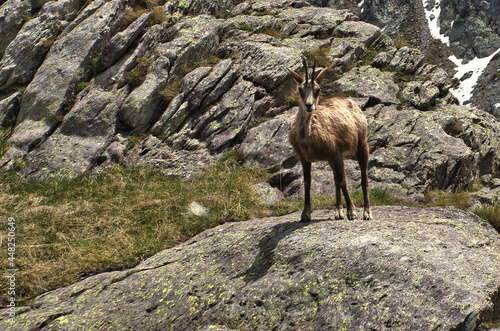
x: 137, y: 75
x: 321, y: 54
x: 170, y: 91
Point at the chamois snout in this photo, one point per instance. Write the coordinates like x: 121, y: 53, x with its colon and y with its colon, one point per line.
x: 309, y: 95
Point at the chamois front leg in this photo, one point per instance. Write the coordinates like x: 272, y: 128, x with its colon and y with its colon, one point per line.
x: 306, y: 213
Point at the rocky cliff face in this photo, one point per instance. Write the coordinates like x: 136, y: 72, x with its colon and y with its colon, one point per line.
x: 409, y: 269
x: 170, y: 87
x: 473, y: 27
x: 466, y: 29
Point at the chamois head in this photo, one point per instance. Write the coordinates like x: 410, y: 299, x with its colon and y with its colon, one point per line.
x: 309, y: 88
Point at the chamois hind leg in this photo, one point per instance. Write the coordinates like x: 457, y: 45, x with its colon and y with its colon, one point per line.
x: 337, y: 165
x: 306, y: 213
x: 363, y: 154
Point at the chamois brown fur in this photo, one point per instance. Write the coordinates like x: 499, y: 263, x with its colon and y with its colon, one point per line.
x: 326, y: 131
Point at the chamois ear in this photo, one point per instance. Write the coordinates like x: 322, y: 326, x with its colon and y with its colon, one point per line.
x: 321, y: 76
x: 296, y: 77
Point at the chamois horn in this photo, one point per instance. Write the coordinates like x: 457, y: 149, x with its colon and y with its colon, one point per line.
x: 304, y: 62
x: 314, y: 69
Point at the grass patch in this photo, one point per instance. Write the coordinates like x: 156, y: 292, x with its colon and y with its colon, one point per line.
x: 210, y: 61
x: 245, y: 28
x: 136, y: 76
x: 460, y: 200
x: 463, y: 200
x: 69, y: 229
x: 402, y: 43
x: 80, y: 87
x: 95, y: 66
x: 490, y: 213
x: 169, y: 92
x: 368, y: 58
x: 278, y: 34
x: 378, y: 197
x: 158, y: 15
x: 4, y: 137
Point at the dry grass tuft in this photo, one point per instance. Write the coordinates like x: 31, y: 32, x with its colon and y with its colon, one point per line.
x: 490, y: 213
x: 70, y: 229
x: 460, y: 200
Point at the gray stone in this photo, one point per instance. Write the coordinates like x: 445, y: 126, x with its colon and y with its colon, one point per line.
x: 194, y: 38
x: 196, y: 210
x: 362, y: 32
x: 407, y: 60
x: 487, y: 196
x: 412, y: 143
x: 268, y: 194
x: 227, y: 122
x: 382, y: 60
x: 122, y: 41
x: 266, y: 145
x: 8, y: 108
x: 370, y: 82
x: 26, y: 52
x: 199, y: 89
x: 264, y: 64
x: 196, y: 7
x: 139, y: 110
x: 116, y: 150
x: 472, y: 33
x: 256, y: 23
x: 74, y: 148
x: 66, y: 64
x: 13, y: 14
x: 421, y: 95
x: 326, y: 18
x: 486, y: 93
x: 346, y: 52
x: 410, y: 269
x: 154, y: 154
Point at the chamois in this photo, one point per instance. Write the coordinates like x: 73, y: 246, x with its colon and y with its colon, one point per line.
x: 326, y: 132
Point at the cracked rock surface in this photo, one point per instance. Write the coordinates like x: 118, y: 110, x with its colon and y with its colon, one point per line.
x: 408, y: 269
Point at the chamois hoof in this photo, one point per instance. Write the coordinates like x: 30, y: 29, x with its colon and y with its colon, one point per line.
x: 351, y: 215
x: 367, y: 215
x: 306, y: 215
x: 339, y: 214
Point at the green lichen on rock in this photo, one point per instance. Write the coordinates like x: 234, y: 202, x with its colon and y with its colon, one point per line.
x: 410, y: 268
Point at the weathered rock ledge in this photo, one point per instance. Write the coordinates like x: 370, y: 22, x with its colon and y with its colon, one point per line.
x: 409, y: 269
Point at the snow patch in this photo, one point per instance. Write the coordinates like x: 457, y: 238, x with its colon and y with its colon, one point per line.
x: 432, y: 16
x: 360, y: 6
x: 475, y: 67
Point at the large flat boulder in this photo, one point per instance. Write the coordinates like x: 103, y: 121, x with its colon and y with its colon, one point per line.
x: 409, y: 269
